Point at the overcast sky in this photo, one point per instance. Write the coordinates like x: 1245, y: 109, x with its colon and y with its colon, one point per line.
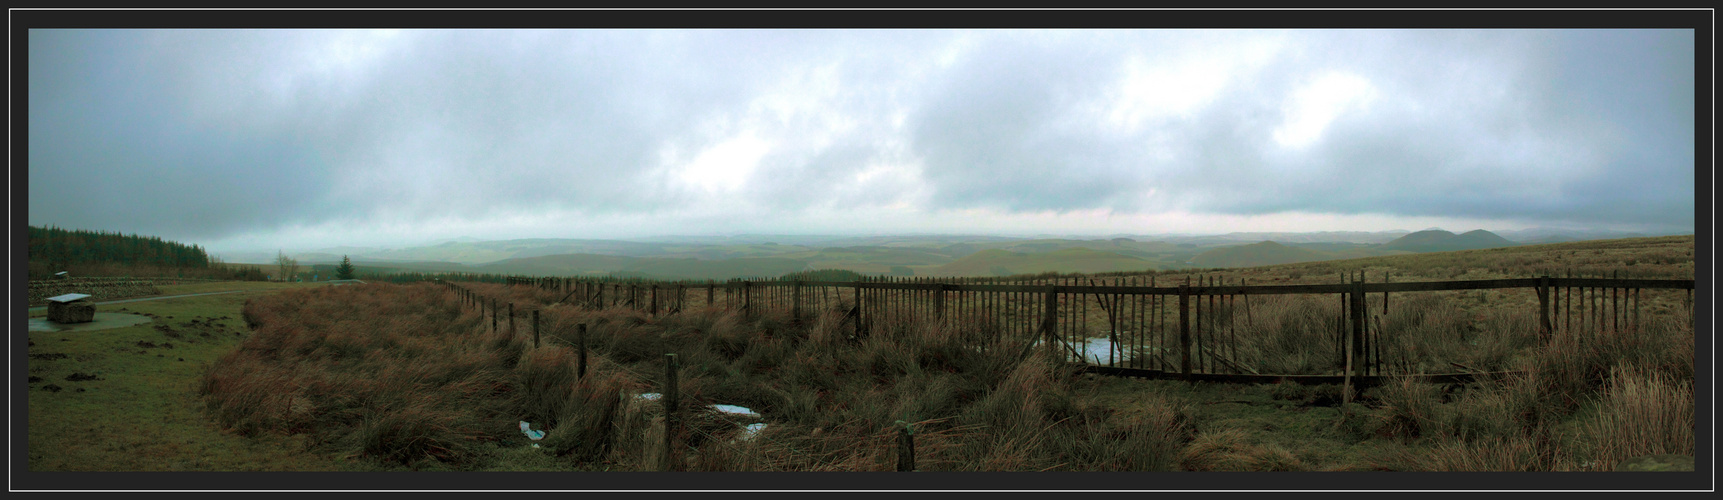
x: 301, y: 139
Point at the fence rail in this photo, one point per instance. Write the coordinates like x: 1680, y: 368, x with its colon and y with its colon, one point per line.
x: 1126, y: 325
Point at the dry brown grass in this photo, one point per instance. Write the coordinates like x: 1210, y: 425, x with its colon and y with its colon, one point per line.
x: 1232, y: 450
x: 1642, y: 414
x: 404, y: 374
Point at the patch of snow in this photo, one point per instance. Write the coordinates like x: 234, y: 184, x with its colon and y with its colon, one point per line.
x: 750, y: 431
x: 735, y: 410
x: 526, y: 428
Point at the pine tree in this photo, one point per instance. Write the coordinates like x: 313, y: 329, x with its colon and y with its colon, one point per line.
x: 345, y: 270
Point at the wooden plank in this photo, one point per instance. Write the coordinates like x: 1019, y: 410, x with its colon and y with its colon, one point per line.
x: 1238, y: 289
x: 1622, y: 283
x: 1233, y: 378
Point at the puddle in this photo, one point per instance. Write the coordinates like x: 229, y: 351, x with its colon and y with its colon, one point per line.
x: 1097, y: 350
x: 103, y: 321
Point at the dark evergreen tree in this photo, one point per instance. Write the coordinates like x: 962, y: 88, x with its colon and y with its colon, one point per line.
x: 345, y: 270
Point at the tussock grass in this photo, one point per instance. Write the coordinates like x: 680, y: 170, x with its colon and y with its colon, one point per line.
x: 1642, y: 414
x: 1232, y: 450
x: 1584, y: 403
x: 354, y: 374
x: 367, y: 370
x: 404, y: 375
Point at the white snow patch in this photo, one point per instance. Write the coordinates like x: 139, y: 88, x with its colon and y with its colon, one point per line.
x: 750, y: 431
x: 735, y: 410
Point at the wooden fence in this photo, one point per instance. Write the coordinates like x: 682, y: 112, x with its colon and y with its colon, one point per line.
x: 1123, y: 325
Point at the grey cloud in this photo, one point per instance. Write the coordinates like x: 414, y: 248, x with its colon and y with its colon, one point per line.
x: 110, y: 151
x: 1524, y: 146
x: 200, y: 133
x: 986, y: 129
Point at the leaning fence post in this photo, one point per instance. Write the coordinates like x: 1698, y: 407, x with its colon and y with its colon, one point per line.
x: 670, y: 407
x: 512, y: 329
x: 493, y: 315
x: 905, y: 447
x: 535, y: 328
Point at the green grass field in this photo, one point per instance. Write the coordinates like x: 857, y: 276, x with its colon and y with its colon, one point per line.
x: 140, y: 412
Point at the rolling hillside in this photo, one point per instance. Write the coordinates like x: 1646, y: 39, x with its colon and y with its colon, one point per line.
x: 1265, y: 253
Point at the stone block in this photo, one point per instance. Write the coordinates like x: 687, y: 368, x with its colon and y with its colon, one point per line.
x: 71, y: 312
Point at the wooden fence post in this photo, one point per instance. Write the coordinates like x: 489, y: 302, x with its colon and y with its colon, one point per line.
x: 671, y: 403
x: 1544, y: 329
x: 493, y: 315
x: 747, y: 299
x: 1358, y: 340
x: 859, y: 308
x: 796, y: 301
x: 905, y: 447
x: 580, y: 341
x: 939, y: 302
x: 535, y: 328
x: 1049, y: 320
x: 512, y: 329
x: 1185, y: 332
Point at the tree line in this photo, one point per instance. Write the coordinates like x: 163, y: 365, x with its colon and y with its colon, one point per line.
x: 85, y: 253
x: 63, y: 247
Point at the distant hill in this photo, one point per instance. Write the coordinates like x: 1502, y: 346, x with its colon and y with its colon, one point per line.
x: 870, y: 259
x: 1479, y: 239
x: 996, y: 262
x: 560, y: 265
x: 646, y: 267
x: 1442, y: 241
x: 1419, y: 241
x: 1266, y: 253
